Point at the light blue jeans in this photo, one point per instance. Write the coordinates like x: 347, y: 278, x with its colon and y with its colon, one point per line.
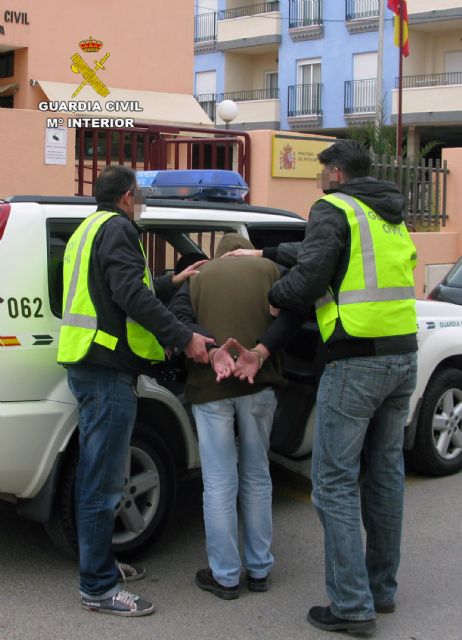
x: 228, y: 472
x: 362, y: 406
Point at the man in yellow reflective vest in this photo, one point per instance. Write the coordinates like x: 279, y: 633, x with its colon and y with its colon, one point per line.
x: 113, y: 328
x: 355, y: 265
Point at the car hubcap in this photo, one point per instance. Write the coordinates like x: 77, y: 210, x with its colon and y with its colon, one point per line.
x: 140, y: 498
x: 447, y: 434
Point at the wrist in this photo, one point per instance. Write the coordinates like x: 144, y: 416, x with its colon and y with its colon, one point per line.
x: 212, y: 353
x: 261, y: 358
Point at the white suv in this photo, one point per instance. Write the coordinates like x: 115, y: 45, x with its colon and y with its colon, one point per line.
x: 38, y: 414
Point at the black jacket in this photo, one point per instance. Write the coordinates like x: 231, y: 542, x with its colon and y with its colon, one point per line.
x: 116, y: 288
x: 321, y: 260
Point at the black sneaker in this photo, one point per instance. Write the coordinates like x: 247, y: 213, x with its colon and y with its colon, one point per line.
x: 257, y: 584
x: 385, y: 607
x: 206, y: 581
x: 122, y: 603
x: 323, y: 618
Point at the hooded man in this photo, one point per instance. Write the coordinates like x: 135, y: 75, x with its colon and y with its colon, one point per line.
x: 229, y: 299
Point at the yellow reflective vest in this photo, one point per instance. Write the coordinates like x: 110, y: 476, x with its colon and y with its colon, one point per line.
x: 79, y: 329
x: 376, y: 298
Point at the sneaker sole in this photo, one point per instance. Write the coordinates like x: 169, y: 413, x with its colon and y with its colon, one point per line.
x: 114, y: 612
x: 366, y: 627
x: 224, y: 595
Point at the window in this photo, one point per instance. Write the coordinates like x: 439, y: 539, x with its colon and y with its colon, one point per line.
x: 59, y: 232
x: 365, y: 81
x: 7, y: 64
x: 308, y: 95
x: 271, y: 84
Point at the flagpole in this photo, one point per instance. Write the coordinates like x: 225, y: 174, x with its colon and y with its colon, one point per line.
x: 379, y: 82
x: 399, y: 131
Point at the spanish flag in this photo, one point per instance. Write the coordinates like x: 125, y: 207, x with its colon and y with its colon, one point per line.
x: 394, y: 6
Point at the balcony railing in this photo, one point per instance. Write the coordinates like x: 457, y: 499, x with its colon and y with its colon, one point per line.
x: 431, y: 80
x: 253, y: 94
x: 360, y: 9
x: 208, y: 102
x: 205, y: 27
x: 304, y: 13
x: 304, y: 100
x: 360, y: 96
x: 249, y: 10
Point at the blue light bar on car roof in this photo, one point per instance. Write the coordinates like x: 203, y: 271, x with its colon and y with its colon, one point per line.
x: 193, y: 184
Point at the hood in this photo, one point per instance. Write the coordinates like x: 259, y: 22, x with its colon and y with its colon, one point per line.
x: 232, y: 241
x: 383, y: 197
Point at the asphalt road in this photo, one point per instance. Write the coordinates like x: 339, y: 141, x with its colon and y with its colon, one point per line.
x: 38, y: 587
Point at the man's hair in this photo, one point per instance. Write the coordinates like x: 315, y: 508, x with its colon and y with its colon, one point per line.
x: 351, y: 157
x: 113, y: 182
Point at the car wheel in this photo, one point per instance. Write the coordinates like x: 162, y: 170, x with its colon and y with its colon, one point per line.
x: 438, y: 445
x: 147, y: 501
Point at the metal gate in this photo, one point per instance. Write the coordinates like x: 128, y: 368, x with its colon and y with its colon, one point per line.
x: 156, y: 147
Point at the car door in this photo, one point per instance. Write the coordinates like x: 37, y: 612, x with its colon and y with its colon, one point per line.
x: 303, y: 360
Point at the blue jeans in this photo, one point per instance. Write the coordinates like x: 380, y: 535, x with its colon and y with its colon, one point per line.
x: 224, y: 479
x: 107, y: 412
x: 362, y: 406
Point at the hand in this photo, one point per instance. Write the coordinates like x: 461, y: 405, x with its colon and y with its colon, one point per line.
x: 195, y: 349
x: 258, y: 253
x: 192, y: 270
x: 222, y: 362
x: 274, y: 311
x: 248, y: 362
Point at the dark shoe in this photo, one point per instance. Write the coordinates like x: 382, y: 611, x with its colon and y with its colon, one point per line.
x: 385, y: 607
x: 206, y: 581
x: 323, y: 618
x: 129, y: 573
x: 122, y: 603
x: 257, y: 584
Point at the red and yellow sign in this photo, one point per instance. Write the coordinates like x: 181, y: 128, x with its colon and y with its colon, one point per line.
x: 9, y: 341
x: 296, y: 157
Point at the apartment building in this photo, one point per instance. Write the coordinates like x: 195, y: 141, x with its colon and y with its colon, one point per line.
x: 301, y: 65
x: 311, y: 65
x: 432, y: 74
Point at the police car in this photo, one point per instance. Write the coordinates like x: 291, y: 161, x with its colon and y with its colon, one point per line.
x: 38, y: 414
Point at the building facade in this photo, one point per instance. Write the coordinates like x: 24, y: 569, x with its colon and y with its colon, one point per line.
x: 432, y: 74
x: 302, y: 65
x: 312, y: 65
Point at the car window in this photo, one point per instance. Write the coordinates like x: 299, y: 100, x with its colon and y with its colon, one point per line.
x: 454, y: 277
x: 270, y: 236
x: 163, y: 249
x: 58, y: 233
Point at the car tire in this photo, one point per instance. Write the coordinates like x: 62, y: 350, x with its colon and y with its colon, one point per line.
x: 149, y: 496
x: 437, y: 449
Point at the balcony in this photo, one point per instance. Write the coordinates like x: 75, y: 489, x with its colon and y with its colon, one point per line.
x: 249, y: 26
x: 361, y: 15
x: 208, y: 102
x: 360, y: 100
x: 304, y: 108
x: 305, y: 19
x: 258, y: 108
x: 205, y: 32
x: 430, y: 6
x: 430, y: 98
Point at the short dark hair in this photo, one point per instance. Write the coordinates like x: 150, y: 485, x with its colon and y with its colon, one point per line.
x: 351, y: 157
x: 113, y: 182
